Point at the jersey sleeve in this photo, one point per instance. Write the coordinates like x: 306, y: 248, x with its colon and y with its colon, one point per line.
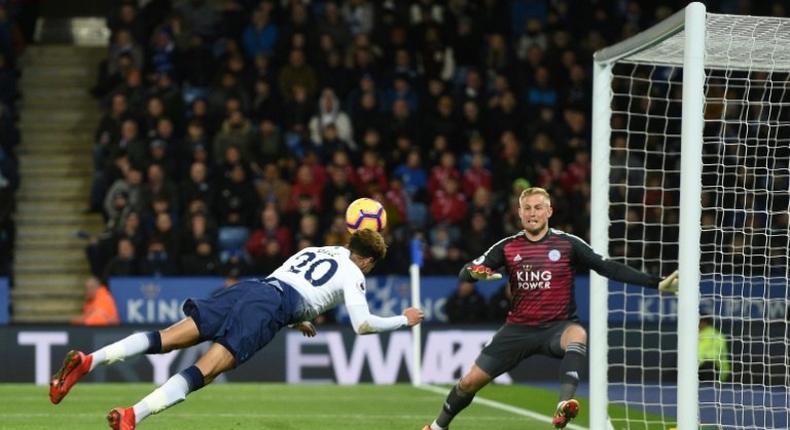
x: 354, y: 292
x: 493, y: 258
x: 359, y: 313
x: 589, y: 260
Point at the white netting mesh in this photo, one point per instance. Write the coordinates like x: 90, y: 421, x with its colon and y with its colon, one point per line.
x: 745, y: 237
x: 731, y: 42
x: 644, y: 196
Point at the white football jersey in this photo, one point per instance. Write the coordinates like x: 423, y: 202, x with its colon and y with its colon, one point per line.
x: 325, y: 277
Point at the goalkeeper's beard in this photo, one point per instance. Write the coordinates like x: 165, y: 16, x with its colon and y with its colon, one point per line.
x: 537, y: 229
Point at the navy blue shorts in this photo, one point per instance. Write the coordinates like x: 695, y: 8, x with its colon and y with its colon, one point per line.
x: 244, y: 317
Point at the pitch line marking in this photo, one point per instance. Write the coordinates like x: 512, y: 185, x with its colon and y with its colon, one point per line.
x: 501, y: 406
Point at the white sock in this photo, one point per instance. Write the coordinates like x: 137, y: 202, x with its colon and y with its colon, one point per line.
x: 435, y: 426
x: 173, y: 391
x: 129, y: 346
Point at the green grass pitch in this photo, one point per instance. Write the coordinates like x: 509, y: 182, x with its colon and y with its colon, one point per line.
x: 274, y: 406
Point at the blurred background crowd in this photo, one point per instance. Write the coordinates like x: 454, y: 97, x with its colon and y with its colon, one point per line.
x: 237, y: 132
x: 16, y: 30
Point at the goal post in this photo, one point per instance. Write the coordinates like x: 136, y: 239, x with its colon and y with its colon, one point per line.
x: 693, y: 17
x: 599, y: 240
x: 690, y: 200
x: 691, y: 172
x: 415, y: 247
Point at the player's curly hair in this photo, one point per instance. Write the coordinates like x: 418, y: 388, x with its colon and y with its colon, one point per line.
x: 368, y: 243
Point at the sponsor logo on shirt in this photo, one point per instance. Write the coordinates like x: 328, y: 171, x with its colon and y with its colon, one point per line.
x: 517, y: 258
x: 529, y: 279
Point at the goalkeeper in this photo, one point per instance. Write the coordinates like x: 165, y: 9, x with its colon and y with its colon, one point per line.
x: 541, y: 263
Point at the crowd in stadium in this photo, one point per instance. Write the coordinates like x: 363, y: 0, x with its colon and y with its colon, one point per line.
x: 233, y: 136
x: 236, y: 134
x: 12, y: 41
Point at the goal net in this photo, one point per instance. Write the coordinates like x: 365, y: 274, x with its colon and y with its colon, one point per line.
x: 717, y: 356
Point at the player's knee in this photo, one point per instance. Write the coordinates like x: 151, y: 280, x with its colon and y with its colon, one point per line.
x: 473, y: 381
x: 467, y: 385
x: 574, y: 334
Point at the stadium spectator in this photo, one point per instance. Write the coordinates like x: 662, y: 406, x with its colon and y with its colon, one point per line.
x: 337, y: 232
x: 128, y: 19
x: 236, y: 131
x: 99, y: 307
x: 329, y: 115
x: 200, y: 16
x: 340, y: 182
x: 466, y: 305
x: 8, y: 83
x: 236, y: 198
x: 9, y: 182
x: 200, y: 260
x: 260, y: 36
x: 270, y: 231
x: 297, y: 74
x: 477, y: 176
x: 444, y: 171
x: 17, y: 20
x: 157, y: 261
x: 511, y: 162
x: 499, y: 304
x: 125, y: 262
x: 272, y: 188
x: 268, y: 144
x: 411, y: 174
x: 713, y: 352
x: 306, y: 185
x: 158, y: 187
x: 477, y: 234
x: 197, y: 186
x: 449, y: 204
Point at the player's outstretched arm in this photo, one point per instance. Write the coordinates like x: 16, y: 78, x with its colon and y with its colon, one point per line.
x: 669, y: 284
x: 478, y: 272
x: 618, y: 271
x: 484, y: 268
x: 366, y: 323
x: 413, y: 316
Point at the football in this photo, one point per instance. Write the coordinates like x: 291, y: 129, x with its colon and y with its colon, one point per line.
x: 365, y: 214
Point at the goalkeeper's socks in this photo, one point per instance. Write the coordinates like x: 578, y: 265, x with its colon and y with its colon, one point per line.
x: 571, y: 369
x: 173, y: 391
x: 135, y: 344
x: 456, y: 401
x: 435, y: 426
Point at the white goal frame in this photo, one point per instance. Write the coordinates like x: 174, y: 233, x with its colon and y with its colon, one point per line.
x: 691, y: 20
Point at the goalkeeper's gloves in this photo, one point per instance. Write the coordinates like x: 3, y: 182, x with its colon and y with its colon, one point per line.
x: 483, y: 273
x: 669, y: 284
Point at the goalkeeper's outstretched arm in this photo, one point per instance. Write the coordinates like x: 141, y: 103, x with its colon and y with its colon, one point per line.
x: 485, y: 267
x: 618, y: 271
